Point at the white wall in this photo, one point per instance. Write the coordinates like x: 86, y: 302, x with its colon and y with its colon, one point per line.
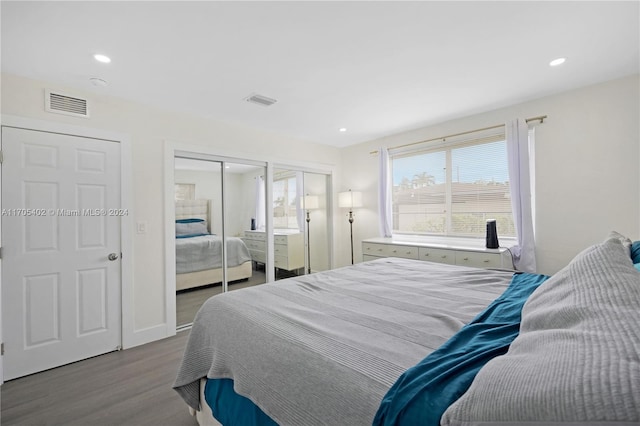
x: 587, y: 157
x: 148, y: 128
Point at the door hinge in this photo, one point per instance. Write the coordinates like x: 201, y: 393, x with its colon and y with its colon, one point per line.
x: 1, y: 250
x: 1, y: 157
x: 1, y: 348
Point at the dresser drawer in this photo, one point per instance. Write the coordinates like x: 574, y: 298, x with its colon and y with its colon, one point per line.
x: 280, y: 239
x: 478, y: 260
x: 288, y: 248
x: 372, y: 249
x: 477, y: 257
x: 254, y: 244
x: 257, y: 235
x: 280, y: 250
x: 407, y: 252
x: 437, y: 255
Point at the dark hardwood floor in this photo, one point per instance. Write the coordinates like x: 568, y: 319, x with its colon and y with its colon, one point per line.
x: 131, y: 387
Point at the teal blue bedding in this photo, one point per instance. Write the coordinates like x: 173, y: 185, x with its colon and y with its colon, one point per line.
x: 191, y: 235
x: 232, y: 409
x: 423, y: 393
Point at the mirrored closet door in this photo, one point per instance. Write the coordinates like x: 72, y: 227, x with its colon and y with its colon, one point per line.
x: 300, y: 222
x: 218, y: 202
x: 245, y: 225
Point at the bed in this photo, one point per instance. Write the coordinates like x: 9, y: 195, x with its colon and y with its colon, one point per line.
x: 199, y: 253
x: 404, y: 342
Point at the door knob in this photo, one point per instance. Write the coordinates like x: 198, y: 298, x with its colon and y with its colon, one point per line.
x: 113, y: 256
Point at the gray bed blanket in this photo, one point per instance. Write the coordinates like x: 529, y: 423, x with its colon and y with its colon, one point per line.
x: 323, y: 349
x: 205, y: 252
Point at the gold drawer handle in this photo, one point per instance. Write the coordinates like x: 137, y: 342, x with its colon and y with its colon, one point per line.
x: 466, y: 258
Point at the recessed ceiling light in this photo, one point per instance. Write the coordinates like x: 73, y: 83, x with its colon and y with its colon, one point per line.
x: 556, y: 62
x: 342, y: 129
x: 102, y: 58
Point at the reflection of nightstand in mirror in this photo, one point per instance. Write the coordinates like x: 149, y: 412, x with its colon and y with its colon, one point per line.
x: 288, y: 250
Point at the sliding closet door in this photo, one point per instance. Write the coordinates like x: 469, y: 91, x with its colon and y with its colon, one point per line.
x: 245, y: 224
x: 221, y: 234
x: 288, y: 223
x: 199, y: 261
x: 300, y: 219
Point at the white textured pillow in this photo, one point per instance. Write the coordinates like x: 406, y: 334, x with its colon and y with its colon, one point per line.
x: 191, y: 228
x: 626, y: 242
x: 577, y: 358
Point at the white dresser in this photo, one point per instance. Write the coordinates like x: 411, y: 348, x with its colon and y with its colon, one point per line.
x: 478, y: 257
x: 288, y: 248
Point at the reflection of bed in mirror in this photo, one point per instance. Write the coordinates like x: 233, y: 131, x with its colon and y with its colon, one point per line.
x: 199, y: 253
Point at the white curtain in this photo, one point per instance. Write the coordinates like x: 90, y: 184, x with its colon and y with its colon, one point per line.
x: 299, y: 197
x: 260, y: 207
x: 384, y: 193
x: 518, y: 143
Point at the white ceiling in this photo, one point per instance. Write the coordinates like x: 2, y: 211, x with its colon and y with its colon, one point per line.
x: 375, y: 68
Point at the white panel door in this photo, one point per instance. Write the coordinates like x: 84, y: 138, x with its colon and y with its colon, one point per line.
x: 61, y: 249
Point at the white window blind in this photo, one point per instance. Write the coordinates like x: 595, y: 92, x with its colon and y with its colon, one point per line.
x: 453, y: 188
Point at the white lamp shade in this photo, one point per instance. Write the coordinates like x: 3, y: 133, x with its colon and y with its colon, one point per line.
x: 311, y: 202
x: 350, y: 199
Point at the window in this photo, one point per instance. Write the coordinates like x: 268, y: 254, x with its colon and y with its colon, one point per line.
x: 284, y: 203
x: 185, y: 191
x: 453, y: 189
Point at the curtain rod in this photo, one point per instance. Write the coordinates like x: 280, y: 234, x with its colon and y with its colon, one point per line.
x: 539, y: 118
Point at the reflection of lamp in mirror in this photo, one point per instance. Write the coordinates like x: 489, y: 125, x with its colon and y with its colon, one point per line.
x: 350, y: 199
x: 310, y: 202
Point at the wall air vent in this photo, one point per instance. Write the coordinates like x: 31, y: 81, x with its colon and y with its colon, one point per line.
x: 64, y: 104
x: 260, y: 100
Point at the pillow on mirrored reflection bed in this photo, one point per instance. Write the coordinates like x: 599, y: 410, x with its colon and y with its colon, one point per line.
x: 577, y: 357
x: 191, y: 227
